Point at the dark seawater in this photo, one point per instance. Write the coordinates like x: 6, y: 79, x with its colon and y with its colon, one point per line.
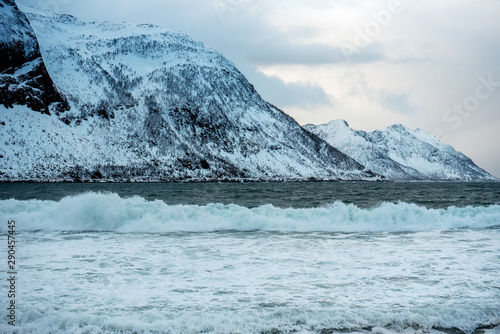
x: 282, y: 195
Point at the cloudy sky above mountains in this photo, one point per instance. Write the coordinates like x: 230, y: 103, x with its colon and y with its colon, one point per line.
x: 425, y: 64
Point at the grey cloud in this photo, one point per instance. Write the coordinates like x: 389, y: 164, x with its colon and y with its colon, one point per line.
x: 399, y: 103
x: 280, y: 51
x: 283, y: 95
x: 371, y: 53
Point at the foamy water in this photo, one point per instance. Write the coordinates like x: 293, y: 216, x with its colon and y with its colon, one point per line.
x: 101, y: 263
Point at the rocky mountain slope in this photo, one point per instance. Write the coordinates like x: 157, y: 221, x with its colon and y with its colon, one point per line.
x: 145, y: 103
x: 400, y: 153
x: 23, y: 77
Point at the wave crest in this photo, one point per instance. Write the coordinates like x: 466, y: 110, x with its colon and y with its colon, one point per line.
x: 110, y: 212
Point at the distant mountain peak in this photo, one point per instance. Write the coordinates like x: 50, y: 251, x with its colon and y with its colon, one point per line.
x: 398, y: 127
x: 338, y: 122
x: 402, y: 154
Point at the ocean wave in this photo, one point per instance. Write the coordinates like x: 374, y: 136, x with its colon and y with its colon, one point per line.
x: 110, y: 212
x: 153, y: 321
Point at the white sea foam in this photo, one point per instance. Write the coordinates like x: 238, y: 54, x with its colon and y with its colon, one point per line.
x: 251, y: 322
x: 183, y: 283
x: 110, y: 212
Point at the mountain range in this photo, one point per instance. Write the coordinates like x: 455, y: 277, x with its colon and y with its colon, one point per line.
x: 125, y: 102
x: 400, y: 153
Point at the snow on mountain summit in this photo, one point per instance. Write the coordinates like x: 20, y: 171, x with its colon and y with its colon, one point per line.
x: 147, y: 103
x: 400, y: 153
x: 100, y: 61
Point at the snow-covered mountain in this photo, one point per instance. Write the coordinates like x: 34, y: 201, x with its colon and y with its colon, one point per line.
x: 400, y: 153
x: 146, y: 103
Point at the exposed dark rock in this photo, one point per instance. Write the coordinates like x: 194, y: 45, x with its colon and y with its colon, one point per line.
x: 24, y: 79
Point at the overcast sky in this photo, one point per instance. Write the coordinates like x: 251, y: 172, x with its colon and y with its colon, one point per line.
x: 430, y: 64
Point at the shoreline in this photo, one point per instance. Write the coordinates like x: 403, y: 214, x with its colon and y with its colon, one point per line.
x: 239, y: 180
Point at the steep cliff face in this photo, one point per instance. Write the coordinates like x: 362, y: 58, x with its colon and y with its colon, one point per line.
x: 23, y: 77
x: 152, y: 104
x: 400, y: 153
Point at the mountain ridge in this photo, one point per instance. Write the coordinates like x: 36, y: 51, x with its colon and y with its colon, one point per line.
x: 400, y: 153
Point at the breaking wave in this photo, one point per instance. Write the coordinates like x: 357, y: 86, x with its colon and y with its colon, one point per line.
x: 279, y: 322
x: 110, y: 212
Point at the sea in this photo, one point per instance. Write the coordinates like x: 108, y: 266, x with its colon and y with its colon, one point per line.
x: 265, y: 258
